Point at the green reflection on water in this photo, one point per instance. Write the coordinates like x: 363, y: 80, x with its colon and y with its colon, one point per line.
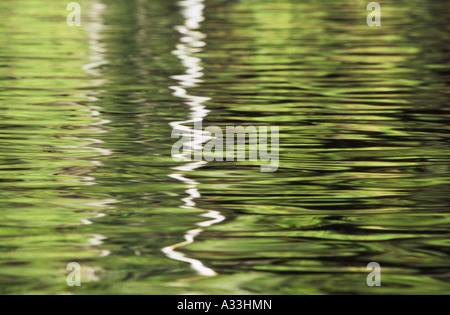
x: 364, y: 156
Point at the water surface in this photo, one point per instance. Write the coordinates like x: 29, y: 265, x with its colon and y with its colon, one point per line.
x: 86, y: 173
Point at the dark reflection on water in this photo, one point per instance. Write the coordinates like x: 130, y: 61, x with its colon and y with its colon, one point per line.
x: 85, y: 159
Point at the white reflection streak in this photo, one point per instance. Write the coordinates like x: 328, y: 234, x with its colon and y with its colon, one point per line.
x: 94, y: 28
x: 191, y: 43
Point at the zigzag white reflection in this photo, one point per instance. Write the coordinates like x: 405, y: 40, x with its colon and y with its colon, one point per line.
x: 190, y: 44
x: 94, y: 28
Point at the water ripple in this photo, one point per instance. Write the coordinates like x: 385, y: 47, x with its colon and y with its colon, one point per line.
x: 190, y: 44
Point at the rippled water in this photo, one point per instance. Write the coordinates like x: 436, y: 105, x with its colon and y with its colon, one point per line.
x: 85, y: 158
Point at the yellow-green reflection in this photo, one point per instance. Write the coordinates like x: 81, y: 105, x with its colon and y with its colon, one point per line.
x: 364, y: 165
